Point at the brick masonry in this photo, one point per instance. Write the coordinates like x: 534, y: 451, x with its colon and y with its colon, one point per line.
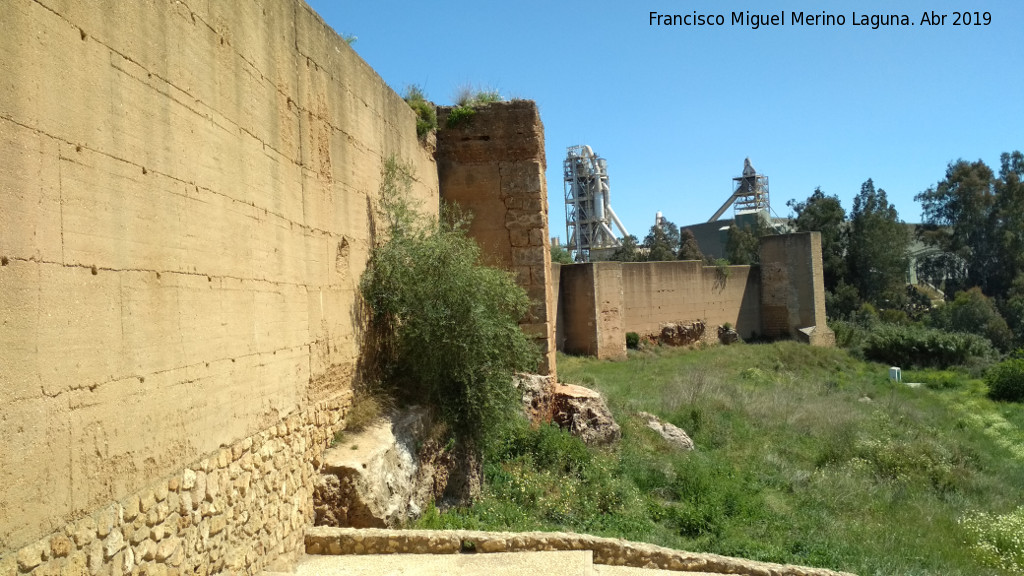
x: 492, y: 165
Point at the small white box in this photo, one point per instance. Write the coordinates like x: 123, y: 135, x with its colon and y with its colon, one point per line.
x: 895, y: 375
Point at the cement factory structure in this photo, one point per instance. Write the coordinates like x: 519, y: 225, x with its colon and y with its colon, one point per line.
x: 588, y: 211
x: 589, y: 218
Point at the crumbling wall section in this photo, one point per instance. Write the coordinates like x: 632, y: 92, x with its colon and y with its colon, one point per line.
x: 492, y: 164
x: 187, y: 207
x: 793, y: 288
x: 591, y: 309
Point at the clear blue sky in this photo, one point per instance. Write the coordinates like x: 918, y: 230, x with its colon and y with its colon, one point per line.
x: 675, y: 110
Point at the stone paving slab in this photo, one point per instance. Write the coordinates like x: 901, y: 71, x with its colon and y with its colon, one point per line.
x: 561, y: 563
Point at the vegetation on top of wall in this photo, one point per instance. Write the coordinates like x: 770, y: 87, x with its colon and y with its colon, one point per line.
x: 468, y: 96
x: 459, y: 116
x: 426, y: 112
x: 467, y: 100
x: 446, y: 326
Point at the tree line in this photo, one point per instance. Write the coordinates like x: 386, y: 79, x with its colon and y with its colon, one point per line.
x: 971, y: 248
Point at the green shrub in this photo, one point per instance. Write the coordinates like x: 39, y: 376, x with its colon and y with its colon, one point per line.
x: 561, y: 255
x: 901, y: 345
x: 426, y: 113
x: 842, y: 301
x: 1006, y: 381
x: 632, y: 340
x: 891, y: 316
x: 446, y: 327
x: 973, y: 312
x: 467, y: 100
x: 460, y: 115
x: 849, y: 335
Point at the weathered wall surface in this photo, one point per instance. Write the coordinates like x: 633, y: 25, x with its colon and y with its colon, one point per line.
x: 186, y: 192
x: 493, y: 166
x: 658, y: 292
x: 590, y: 310
x: 783, y: 297
x: 577, y: 310
x: 793, y: 288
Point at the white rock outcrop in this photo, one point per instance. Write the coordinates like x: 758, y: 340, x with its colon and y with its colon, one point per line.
x: 672, y: 434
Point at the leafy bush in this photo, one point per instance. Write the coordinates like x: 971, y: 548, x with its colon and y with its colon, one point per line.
x: 446, y: 326
x: 973, y: 312
x: 842, y: 301
x: 561, y: 255
x: 632, y: 340
x: 426, y: 114
x: 849, y: 335
x: 460, y: 115
x: 902, y: 345
x: 1006, y: 380
x: 893, y: 316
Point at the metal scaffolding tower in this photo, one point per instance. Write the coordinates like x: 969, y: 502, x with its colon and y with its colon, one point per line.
x: 588, y: 210
x: 749, y: 194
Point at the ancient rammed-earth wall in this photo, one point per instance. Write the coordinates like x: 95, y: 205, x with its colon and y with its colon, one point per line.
x: 783, y: 297
x: 187, y: 193
x: 493, y: 167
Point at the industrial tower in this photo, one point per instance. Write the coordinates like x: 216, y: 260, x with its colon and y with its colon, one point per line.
x: 750, y: 197
x: 588, y: 210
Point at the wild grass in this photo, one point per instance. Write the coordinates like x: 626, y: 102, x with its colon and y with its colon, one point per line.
x: 471, y: 96
x: 804, y: 455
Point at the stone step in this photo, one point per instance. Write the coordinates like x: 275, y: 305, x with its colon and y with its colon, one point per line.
x: 561, y: 563
x: 604, y: 570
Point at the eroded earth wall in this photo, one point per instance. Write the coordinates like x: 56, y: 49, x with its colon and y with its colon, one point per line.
x: 658, y: 292
x: 492, y: 164
x: 783, y: 297
x: 793, y: 288
x: 186, y: 194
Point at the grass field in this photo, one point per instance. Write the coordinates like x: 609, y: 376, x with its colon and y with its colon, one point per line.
x: 804, y: 455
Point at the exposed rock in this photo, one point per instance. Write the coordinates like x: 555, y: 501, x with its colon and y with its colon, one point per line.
x: 584, y: 413
x: 728, y: 335
x: 682, y: 334
x: 537, y: 395
x: 387, y: 473
x: 673, y: 434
